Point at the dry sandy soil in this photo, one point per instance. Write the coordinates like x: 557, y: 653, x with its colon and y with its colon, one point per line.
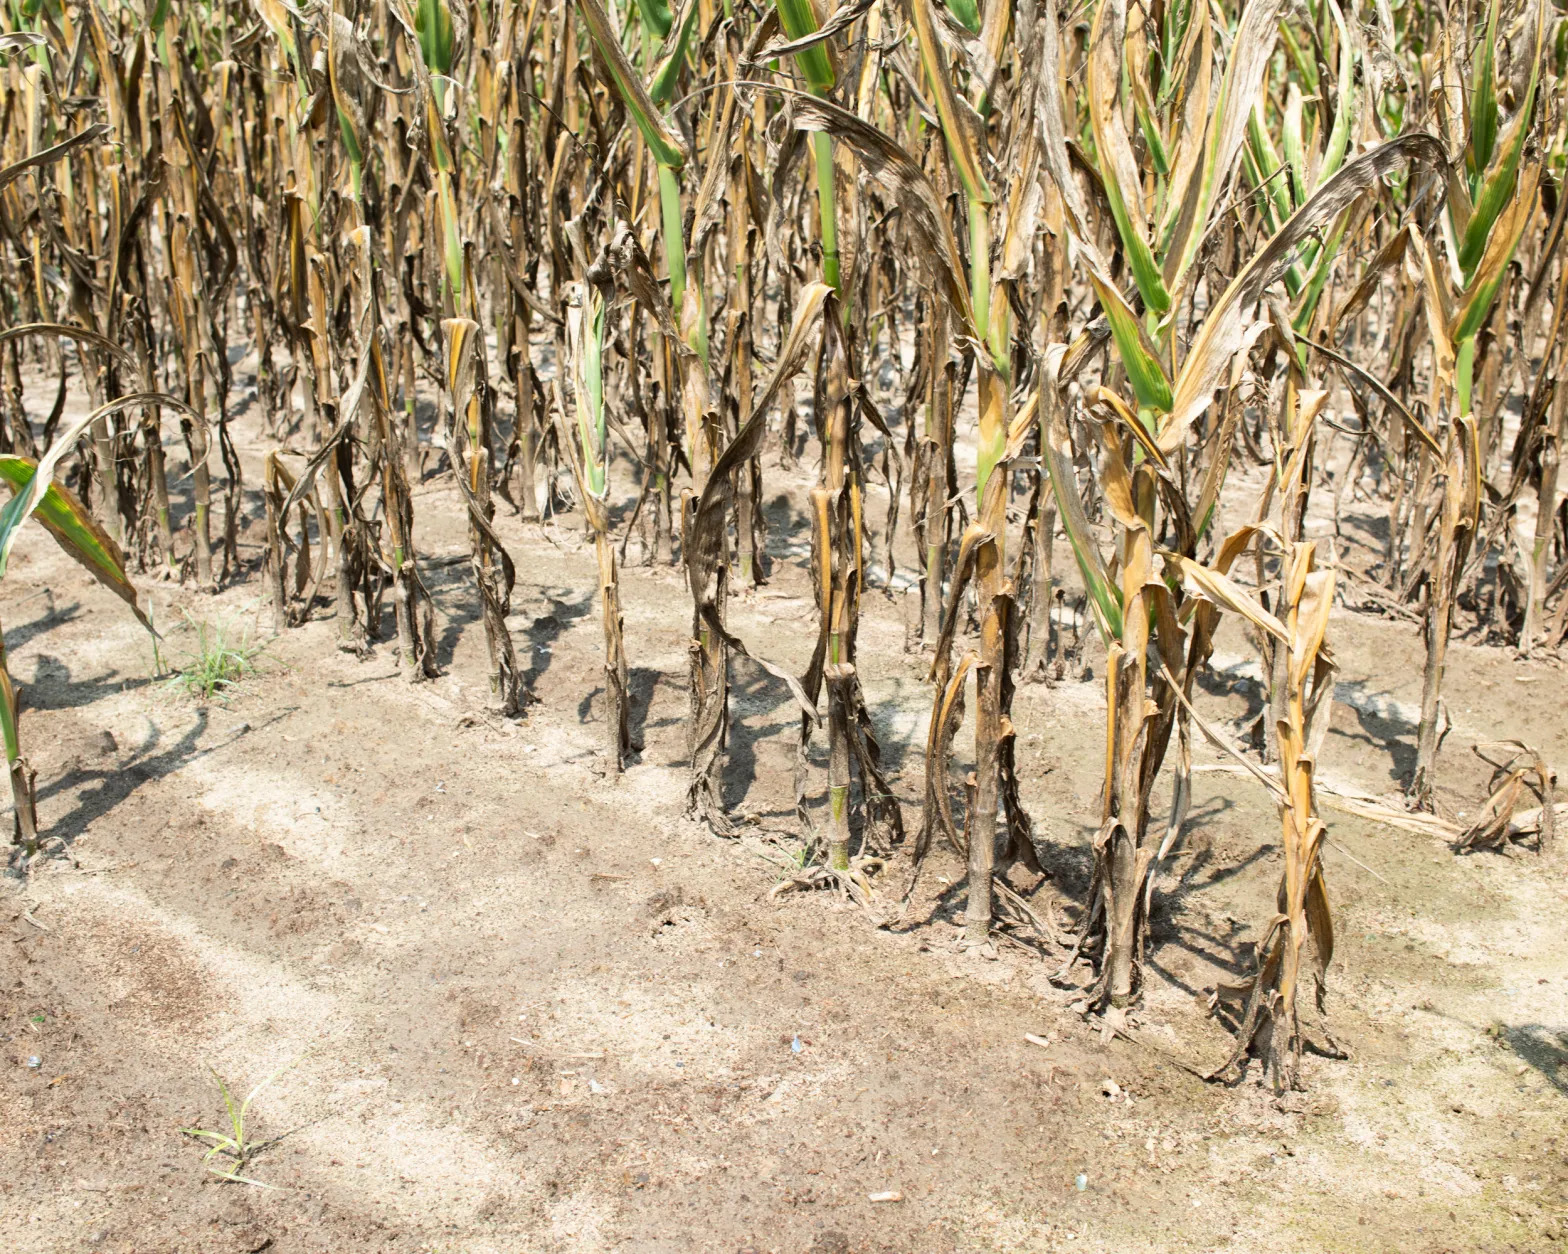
x: 525, y: 1006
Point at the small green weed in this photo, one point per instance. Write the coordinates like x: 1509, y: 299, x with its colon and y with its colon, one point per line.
x: 236, y: 1145
x: 219, y: 662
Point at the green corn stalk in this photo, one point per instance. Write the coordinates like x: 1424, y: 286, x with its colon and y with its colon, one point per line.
x: 799, y: 20
x: 709, y: 661
x: 669, y: 155
x: 437, y: 36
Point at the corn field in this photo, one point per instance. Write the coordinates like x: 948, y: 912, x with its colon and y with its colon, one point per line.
x: 1008, y: 278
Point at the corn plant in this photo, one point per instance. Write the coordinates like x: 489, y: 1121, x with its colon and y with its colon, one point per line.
x: 1298, y: 940
x: 236, y: 1148
x: 1490, y: 202
x: 682, y: 317
x: 586, y: 324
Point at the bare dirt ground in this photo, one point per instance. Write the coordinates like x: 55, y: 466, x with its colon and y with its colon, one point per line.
x: 524, y: 1006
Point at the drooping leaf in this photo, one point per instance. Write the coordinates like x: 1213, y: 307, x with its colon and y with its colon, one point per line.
x: 901, y: 177
x: 82, y: 334
x: 1138, y: 355
x: 708, y: 520
x: 1250, y: 52
x: 76, y: 530
x: 1118, y: 169
x: 1213, y: 586
x: 29, y: 494
x: 841, y: 19
x: 1223, y: 330
x: 1057, y: 451
x: 668, y: 148
x: 48, y: 156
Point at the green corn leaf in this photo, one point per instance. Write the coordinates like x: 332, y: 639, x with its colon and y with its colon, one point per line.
x: 76, y: 531
x: 1118, y: 170
x: 1178, y: 19
x: 656, y: 16
x: 1483, y: 98
x: 1345, y: 112
x: 1291, y: 142
x: 662, y: 89
x: 966, y: 162
x: 1144, y: 110
x: 1268, y: 163
x: 437, y: 35
x: 967, y: 12
x: 1498, y: 188
x: 668, y: 150
x: 1488, y: 276
x: 1308, y: 301
x: 37, y: 491
x: 29, y: 496
x: 1151, y: 136
x: 350, y: 113
x: 8, y: 713
x: 1103, y: 593
x: 1303, y: 64
x: 1224, y: 330
x: 1143, y: 367
x: 799, y: 20
x: 1254, y: 173
x: 356, y: 154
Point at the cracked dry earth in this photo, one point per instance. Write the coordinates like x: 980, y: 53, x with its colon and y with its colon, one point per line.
x: 525, y: 1007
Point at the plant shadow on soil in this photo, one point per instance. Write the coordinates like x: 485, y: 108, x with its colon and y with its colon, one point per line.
x: 1544, y: 1048
x: 1392, y: 737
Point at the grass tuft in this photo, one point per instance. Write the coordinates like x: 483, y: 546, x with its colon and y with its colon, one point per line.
x: 236, y: 1145
x: 219, y: 663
